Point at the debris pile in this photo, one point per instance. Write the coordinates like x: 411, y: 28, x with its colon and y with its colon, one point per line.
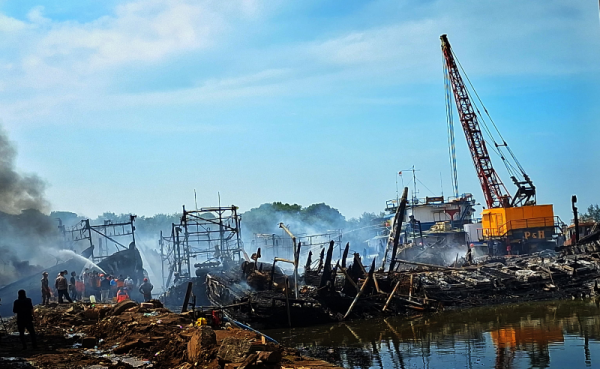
x: 514, y: 279
x: 410, y: 288
x: 128, y: 335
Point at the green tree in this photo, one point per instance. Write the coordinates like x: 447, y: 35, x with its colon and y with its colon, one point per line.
x: 365, y: 220
x: 359, y: 230
x: 316, y: 217
x: 323, y: 217
x: 265, y: 218
x: 287, y: 208
x: 592, y: 214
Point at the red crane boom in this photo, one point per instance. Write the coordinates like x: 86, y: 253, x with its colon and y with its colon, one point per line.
x: 495, y: 193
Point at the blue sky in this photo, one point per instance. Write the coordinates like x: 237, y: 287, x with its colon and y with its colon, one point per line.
x: 128, y: 106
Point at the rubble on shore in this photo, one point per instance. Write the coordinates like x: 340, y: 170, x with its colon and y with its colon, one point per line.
x: 129, y: 335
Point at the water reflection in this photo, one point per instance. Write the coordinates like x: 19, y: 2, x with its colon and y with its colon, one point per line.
x: 538, y: 335
x: 531, y: 339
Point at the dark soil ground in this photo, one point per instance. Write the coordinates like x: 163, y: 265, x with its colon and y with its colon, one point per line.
x: 126, y: 335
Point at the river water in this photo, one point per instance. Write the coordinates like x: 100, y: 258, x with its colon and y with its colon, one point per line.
x: 555, y: 334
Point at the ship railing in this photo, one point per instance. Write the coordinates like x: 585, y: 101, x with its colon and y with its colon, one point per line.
x: 542, y: 222
x: 391, y: 205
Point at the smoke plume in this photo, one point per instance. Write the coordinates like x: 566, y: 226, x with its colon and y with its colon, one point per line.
x: 18, y: 191
x: 26, y: 232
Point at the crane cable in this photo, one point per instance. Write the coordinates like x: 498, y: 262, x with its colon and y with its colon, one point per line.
x: 496, y: 147
x: 450, y: 120
x: 509, y: 166
x: 485, y: 127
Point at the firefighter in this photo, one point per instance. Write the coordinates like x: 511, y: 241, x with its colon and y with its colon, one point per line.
x: 72, y: 282
x: 122, y: 295
x: 80, y: 287
x: 45, y: 289
x: 62, y: 286
x: 105, y: 288
x: 146, y: 290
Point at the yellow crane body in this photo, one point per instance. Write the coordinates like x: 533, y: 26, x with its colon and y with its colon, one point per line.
x: 521, y: 223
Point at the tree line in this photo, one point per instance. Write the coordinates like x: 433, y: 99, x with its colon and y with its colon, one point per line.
x: 264, y: 219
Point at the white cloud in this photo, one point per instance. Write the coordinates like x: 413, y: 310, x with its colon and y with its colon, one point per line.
x: 10, y: 25
x: 139, y: 33
x: 406, y: 52
x: 213, y: 91
x: 514, y: 37
x: 66, y: 53
x: 50, y: 64
x: 35, y: 16
x: 58, y: 65
x: 249, y: 79
x: 400, y: 43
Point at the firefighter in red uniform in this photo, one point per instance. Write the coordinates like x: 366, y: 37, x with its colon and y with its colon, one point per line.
x: 122, y: 295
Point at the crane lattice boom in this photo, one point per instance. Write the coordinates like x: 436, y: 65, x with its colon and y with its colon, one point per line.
x: 494, y: 191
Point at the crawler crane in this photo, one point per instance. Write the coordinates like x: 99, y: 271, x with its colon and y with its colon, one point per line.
x: 512, y: 224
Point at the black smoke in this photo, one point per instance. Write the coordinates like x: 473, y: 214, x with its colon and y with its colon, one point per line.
x: 18, y: 191
x: 26, y: 233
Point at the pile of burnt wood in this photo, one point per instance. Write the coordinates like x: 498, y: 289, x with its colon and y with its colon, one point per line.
x: 263, y: 295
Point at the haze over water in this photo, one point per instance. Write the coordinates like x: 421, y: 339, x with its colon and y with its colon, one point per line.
x: 555, y: 334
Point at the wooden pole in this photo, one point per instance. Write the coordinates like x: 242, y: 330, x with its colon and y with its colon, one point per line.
x: 372, y: 275
x: 411, y: 288
x: 295, y: 268
x: 320, y: 267
x: 398, y: 227
x: 391, y: 295
x: 326, y: 276
x: 296, y: 255
x: 162, y: 261
x: 349, y: 279
x: 575, y: 218
x: 376, y: 284
x: 374, y: 278
x: 272, y: 274
x: 360, y: 292
x: 345, y: 255
x: 308, y: 262
x: 256, y: 260
x: 287, y: 302
x: 186, y: 300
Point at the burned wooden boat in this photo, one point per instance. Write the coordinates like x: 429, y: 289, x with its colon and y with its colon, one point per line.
x: 262, y: 295
x: 265, y: 297
x: 259, y: 295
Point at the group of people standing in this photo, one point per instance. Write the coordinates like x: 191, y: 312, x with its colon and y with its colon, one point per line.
x: 90, y: 283
x: 102, y: 286
x: 105, y: 286
x: 61, y: 285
